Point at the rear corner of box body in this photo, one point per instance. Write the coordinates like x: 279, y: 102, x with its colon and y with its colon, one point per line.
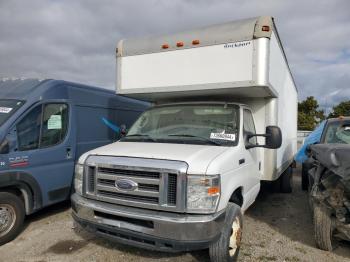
x: 280, y: 78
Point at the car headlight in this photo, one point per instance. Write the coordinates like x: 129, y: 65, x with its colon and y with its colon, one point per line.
x: 78, y: 178
x: 203, y: 193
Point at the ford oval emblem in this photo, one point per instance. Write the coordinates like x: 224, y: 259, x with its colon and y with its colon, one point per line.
x: 126, y: 184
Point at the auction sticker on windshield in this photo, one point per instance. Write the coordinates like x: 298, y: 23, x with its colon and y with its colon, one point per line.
x: 223, y: 136
x: 5, y: 110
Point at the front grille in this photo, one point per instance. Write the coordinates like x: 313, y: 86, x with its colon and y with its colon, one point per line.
x: 128, y: 196
x: 172, y: 188
x: 125, y: 172
x: 160, y: 185
x: 91, y: 179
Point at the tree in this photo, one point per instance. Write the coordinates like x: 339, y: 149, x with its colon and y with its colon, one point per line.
x: 342, y: 109
x: 309, y: 114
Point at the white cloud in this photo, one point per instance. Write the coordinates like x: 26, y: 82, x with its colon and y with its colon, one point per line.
x: 75, y: 40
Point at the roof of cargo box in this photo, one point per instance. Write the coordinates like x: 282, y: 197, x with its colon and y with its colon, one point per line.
x: 240, y: 30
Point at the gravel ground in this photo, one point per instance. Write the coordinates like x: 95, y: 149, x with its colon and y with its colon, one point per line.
x: 277, y: 227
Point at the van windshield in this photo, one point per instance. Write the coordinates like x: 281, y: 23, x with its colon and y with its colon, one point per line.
x: 7, y: 108
x: 212, y: 124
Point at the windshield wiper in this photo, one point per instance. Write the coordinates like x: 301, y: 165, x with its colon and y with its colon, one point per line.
x: 200, y: 137
x: 140, y: 135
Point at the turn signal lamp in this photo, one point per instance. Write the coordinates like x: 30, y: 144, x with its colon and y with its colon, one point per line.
x: 165, y: 46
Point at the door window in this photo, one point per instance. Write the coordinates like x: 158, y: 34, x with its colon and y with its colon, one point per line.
x: 28, y: 130
x: 248, y: 125
x: 44, y: 126
x: 54, y: 124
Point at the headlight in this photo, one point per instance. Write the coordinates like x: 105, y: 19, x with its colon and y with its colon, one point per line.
x: 78, y: 178
x: 203, y: 193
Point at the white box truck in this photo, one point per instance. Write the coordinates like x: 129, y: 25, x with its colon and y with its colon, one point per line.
x: 224, y: 119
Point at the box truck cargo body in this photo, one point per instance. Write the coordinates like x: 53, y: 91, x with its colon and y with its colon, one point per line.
x: 224, y: 119
x: 223, y: 67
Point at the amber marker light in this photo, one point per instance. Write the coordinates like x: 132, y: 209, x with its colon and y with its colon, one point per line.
x: 195, y: 42
x: 165, y: 46
x: 180, y: 44
x: 213, y: 190
x: 265, y: 28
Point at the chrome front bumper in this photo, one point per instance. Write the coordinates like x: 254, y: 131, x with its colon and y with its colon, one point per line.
x: 150, y: 229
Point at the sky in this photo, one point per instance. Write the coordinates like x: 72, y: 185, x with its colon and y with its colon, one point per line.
x: 76, y: 40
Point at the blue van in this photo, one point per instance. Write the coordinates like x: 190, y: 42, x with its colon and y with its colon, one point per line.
x: 44, y: 128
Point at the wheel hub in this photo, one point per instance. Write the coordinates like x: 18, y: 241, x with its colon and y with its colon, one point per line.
x: 7, y: 218
x: 235, y: 238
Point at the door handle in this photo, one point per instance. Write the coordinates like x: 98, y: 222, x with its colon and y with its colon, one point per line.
x: 241, y: 161
x: 68, y: 153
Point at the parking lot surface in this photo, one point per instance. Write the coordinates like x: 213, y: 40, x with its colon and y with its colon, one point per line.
x: 278, y: 227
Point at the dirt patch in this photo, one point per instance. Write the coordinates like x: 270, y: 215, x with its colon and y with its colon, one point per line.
x: 67, y: 246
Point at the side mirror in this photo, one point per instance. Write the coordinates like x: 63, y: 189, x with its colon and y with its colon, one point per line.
x: 273, y: 138
x: 123, y: 130
x: 4, y: 147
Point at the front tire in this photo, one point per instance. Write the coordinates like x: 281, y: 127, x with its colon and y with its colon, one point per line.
x: 323, y: 229
x: 226, y: 248
x: 12, y: 214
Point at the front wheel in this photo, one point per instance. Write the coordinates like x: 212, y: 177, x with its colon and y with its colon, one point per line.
x: 11, y: 216
x: 323, y: 229
x: 227, y: 246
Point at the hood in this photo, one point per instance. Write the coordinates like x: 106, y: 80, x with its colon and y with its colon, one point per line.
x: 198, y: 157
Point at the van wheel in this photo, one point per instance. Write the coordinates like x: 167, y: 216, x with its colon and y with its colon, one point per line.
x: 323, y: 229
x: 286, y: 181
x: 226, y: 248
x: 11, y: 216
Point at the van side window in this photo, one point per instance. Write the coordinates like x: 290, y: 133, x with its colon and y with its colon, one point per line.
x: 248, y: 125
x: 28, y: 130
x: 55, y: 122
x: 44, y: 126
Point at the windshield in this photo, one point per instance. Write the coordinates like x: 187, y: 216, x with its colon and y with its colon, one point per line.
x: 7, y: 108
x: 338, y: 132
x: 212, y: 124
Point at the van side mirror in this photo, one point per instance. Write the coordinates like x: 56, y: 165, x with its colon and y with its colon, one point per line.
x: 4, y: 147
x: 273, y: 138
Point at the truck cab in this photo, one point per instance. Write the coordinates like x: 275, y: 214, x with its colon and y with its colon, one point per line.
x: 223, y: 120
x: 45, y: 126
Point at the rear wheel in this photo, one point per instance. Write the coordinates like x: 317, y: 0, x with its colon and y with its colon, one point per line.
x: 323, y: 229
x: 286, y: 181
x: 304, y: 176
x: 227, y: 246
x: 11, y: 216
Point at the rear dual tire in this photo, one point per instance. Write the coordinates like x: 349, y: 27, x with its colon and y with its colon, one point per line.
x: 226, y: 248
x: 284, y: 184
